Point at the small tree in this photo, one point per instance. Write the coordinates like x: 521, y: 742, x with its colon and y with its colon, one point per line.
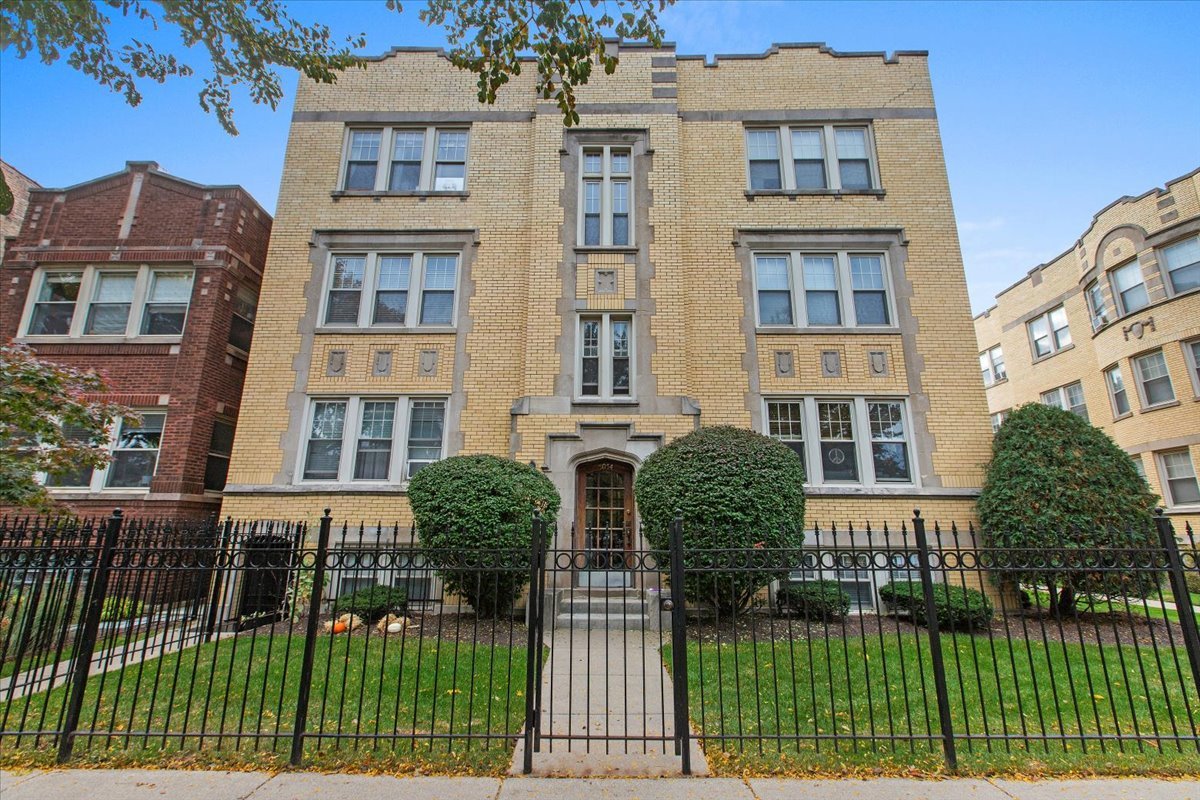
x: 475, y: 514
x: 1057, y: 484
x: 48, y: 423
x: 734, y: 489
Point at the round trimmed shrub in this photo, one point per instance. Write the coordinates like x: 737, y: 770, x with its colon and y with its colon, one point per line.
x: 734, y: 489
x: 1057, y: 483
x: 373, y: 602
x: 475, y: 516
x: 957, y: 607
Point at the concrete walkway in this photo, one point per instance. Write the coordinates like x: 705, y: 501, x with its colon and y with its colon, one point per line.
x: 189, y: 785
x: 608, y: 700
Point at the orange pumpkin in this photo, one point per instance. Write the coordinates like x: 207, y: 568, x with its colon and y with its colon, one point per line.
x: 339, y: 627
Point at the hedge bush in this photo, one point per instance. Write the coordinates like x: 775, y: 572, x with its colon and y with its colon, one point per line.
x: 475, y: 514
x: 957, y: 606
x: 373, y: 602
x: 734, y: 489
x: 816, y: 600
x: 120, y: 608
x: 1056, y: 482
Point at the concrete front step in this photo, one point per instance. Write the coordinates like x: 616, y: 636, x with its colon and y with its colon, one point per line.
x: 583, y: 622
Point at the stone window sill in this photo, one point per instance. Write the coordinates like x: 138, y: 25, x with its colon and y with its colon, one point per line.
x: 792, y: 194
x: 1160, y: 406
x: 338, y: 194
x: 1120, y: 417
x: 1048, y: 356
x: 149, y: 339
x: 792, y: 330
x: 384, y: 331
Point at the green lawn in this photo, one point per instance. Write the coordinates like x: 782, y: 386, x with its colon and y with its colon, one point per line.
x: 443, y: 691
x: 840, y: 692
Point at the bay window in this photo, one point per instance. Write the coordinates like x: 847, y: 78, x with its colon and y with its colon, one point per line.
x: 1117, y: 394
x: 1179, y: 478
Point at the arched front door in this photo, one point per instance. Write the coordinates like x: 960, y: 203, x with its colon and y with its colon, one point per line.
x: 604, y: 517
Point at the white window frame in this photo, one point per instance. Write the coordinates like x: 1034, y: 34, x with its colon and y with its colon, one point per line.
x: 606, y: 357
x: 810, y: 426
x: 1118, y: 295
x: 99, y: 479
x: 370, y: 285
x: 1191, y: 357
x: 606, y: 178
x: 383, y: 165
x: 1051, y: 333
x: 845, y: 289
x: 1097, y: 305
x: 143, y: 276
x: 1110, y: 385
x: 988, y: 369
x: 787, y: 164
x: 1064, y: 399
x: 351, y: 428
x: 1161, y: 464
x: 998, y: 419
x: 1135, y: 363
x: 1167, y: 274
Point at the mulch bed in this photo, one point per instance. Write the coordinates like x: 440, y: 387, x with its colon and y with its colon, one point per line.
x: 448, y: 627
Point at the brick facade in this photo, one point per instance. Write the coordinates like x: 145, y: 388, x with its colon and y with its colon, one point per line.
x: 135, y: 222
x: 1132, y: 229
x: 508, y: 368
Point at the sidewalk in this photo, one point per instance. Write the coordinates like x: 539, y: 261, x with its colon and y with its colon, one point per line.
x: 186, y: 785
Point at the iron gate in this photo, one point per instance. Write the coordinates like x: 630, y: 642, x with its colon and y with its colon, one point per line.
x: 614, y: 680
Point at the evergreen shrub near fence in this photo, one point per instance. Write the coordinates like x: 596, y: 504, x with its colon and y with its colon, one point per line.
x: 373, y: 602
x: 957, y: 607
x: 815, y: 600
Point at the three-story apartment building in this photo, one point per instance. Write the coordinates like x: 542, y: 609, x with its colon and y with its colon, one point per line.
x: 153, y: 280
x: 764, y: 241
x: 1110, y: 329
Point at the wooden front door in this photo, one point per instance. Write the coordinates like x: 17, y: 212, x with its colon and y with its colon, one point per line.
x: 604, y: 513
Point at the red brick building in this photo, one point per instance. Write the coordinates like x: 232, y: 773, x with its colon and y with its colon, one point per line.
x: 153, y: 281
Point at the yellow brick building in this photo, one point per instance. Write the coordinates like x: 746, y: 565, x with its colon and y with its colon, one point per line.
x: 1111, y: 329
x: 765, y: 241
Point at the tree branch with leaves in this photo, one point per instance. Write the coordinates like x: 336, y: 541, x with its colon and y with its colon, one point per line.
x: 50, y: 422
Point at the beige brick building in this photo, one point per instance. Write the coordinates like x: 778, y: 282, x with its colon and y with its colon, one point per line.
x: 1111, y: 329
x: 764, y: 241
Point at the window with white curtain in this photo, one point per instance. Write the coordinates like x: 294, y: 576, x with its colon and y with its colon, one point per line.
x: 1049, y: 332
x: 1129, y: 287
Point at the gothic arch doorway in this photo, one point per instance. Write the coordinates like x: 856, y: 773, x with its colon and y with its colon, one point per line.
x: 604, y: 521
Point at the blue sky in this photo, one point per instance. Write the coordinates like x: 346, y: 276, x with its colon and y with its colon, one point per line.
x: 1048, y: 111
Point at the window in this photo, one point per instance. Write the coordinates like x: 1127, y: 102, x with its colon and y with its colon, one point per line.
x: 426, y: 159
x: 605, y: 200
x: 1154, y: 381
x: 134, y: 449
x: 55, y: 305
x: 1191, y: 354
x: 1068, y: 398
x: 80, y: 477
x: 1139, y: 466
x: 814, y: 158
x: 220, y: 448
x: 785, y: 422
x: 1049, y: 333
x: 110, y: 302
x: 167, y: 303
x: 991, y: 366
x: 810, y: 289
x: 1130, y: 288
x: 1116, y: 390
x: 889, y: 444
x: 605, y: 357
x: 1180, y: 478
x: 1097, y: 305
x: 998, y: 420
x: 392, y: 438
x: 245, y: 311
x: 857, y: 440
x: 391, y: 290
x: 135, y: 452
x: 112, y: 297
x: 1182, y: 261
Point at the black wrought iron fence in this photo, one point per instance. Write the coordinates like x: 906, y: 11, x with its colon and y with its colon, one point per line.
x: 253, y: 640
x: 270, y: 642
x: 915, y: 646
